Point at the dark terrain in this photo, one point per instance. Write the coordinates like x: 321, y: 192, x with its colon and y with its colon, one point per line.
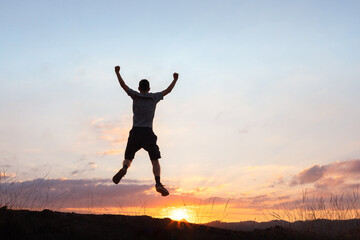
x: 24, y: 224
x: 335, y: 229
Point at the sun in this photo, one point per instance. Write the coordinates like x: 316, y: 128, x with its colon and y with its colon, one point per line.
x: 179, y: 214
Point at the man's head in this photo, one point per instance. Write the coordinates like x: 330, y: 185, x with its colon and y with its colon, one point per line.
x: 144, y: 85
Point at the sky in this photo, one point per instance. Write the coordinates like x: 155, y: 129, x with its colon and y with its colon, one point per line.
x: 267, y: 104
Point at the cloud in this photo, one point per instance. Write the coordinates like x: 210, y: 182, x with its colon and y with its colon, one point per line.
x: 309, y: 175
x: 258, y: 202
x: 90, y: 166
x: 62, y: 194
x: 111, y: 152
x: 4, y: 166
x: 113, y: 131
x: 67, y: 193
x: 342, y: 175
x: 350, y: 167
x: 83, y: 193
x: 5, y: 175
x: 331, y: 183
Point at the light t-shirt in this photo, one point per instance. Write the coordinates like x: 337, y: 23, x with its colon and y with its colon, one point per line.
x: 144, y: 105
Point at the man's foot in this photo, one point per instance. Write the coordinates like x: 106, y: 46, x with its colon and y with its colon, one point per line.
x: 160, y: 188
x: 116, y: 179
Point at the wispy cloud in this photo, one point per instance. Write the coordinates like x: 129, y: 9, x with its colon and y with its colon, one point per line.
x: 5, y: 166
x: 90, y: 166
x: 112, y: 131
x: 111, y: 152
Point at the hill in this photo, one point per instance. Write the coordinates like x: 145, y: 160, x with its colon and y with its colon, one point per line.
x: 46, y: 224
x: 322, y: 227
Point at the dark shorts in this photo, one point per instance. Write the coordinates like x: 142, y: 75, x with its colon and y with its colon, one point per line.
x: 142, y: 137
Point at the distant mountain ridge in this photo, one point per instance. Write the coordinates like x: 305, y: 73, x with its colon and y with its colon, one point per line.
x: 320, y: 226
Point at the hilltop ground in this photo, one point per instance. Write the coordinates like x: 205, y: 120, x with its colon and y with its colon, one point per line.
x: 24, y: 224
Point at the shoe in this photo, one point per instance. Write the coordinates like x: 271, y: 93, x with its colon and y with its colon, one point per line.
x: 116, y: 179
x: 160, y: 188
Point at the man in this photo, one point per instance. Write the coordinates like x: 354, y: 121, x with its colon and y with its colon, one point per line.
x: 141, y: 134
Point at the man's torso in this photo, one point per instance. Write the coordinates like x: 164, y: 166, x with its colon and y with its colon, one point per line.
x: 144, y: 105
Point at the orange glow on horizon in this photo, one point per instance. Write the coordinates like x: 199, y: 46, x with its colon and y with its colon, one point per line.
x: 192, y: 214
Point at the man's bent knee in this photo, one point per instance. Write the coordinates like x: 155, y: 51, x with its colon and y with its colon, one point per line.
x: 127, y: 162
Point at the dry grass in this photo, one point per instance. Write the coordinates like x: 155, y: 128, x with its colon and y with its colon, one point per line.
x: 313, y: 207
x: 335, y: 216
x: 24, y: 195
x: 203, y: 211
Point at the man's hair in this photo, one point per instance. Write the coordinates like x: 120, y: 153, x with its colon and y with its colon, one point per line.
x: 144, y: 85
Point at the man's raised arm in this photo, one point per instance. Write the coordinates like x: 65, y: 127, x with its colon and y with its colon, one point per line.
x: 172, y: 85
x: 121, y: 81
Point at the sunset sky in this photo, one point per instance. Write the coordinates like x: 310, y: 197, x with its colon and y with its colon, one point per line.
x: 266, y: 106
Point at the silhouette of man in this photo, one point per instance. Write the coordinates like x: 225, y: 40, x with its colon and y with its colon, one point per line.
x: 141, y: 134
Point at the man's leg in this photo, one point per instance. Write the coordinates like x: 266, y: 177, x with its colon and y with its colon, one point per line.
x: 132, y: 147
x: 126, y: 164
x: 156, y: 170
x: 154, y: 153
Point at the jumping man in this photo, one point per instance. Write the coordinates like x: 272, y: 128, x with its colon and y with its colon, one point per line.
x: 141, y: 134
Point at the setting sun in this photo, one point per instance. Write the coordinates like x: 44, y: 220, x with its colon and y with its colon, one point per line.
x: 179, y: 214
